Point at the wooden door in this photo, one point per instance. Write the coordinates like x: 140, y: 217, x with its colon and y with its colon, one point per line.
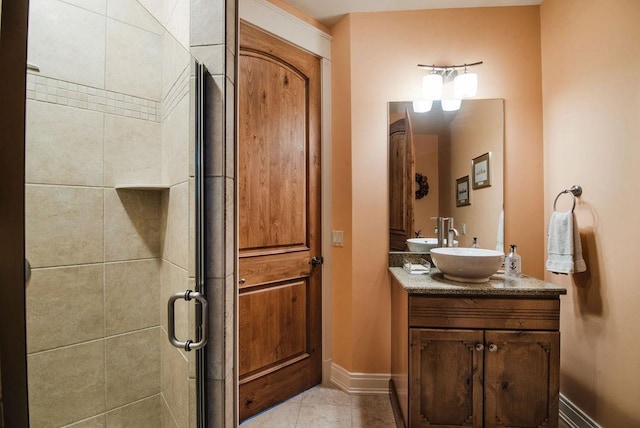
x: 401, y: 183
x: 521, y: 378
x: 445, y: 369
x: 280, y: 319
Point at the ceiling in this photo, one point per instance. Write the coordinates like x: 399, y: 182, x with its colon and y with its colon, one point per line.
x: 329, y: 12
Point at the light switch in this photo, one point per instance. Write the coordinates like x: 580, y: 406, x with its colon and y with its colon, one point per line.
x: 338, y: 238
x: 464, y: 228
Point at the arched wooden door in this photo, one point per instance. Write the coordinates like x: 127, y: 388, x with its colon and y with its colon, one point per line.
x: 280, y: 321
x: 401, y: 183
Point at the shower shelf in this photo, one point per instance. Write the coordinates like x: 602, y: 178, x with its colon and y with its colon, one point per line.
x: 142, y: 187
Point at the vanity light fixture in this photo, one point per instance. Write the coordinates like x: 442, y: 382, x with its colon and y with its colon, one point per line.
x: 465, y: 85
x: 422, y: 106
x: 451, y: 104
x: 432, y: 86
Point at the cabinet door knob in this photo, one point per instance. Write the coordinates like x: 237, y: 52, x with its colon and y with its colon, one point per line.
x: 493, y: 347
x: 479, y: 347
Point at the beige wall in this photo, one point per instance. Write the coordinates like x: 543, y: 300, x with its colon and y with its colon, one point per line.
x: 591, y: 57
x: 341, y: 216
x: 476, y: 130
x: 384, y: 49
x: 425, y: 151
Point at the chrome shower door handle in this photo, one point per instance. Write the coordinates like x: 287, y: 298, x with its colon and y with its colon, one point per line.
x: 189, y: 344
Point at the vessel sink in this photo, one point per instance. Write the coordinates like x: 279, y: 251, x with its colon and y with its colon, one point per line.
x: 424, y: 245
x: 467, y: 264
x: 421, y: 245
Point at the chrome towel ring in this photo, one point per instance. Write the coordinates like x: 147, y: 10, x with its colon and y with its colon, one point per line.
x: 575, y: 191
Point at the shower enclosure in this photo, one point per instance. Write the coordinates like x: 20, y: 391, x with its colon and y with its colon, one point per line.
x: 113, y: 214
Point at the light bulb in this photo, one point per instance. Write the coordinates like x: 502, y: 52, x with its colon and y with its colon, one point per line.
x: 465, y: 85
x: 422, y: 106
x: 451, y: 105
x: 432, y: 86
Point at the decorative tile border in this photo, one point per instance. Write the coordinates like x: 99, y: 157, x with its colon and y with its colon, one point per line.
x: 179, y: 89
x: 47, y: 89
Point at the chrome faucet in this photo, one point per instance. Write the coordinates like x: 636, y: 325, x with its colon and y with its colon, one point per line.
x: 452, y: 234
x: 439, y: 230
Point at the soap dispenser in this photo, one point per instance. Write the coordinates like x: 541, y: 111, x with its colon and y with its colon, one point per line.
x: 513, y: 263
x: 474, y: 244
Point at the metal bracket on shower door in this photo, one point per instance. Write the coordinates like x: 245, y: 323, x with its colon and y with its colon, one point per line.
x: 189, y: 344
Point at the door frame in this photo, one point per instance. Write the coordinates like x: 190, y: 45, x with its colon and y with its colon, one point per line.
x: 272, y: 19
x: 13, y: 349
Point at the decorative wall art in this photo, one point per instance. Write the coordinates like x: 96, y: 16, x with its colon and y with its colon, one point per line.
x: 462, y: 191
x: 422, y: 186
x: 481, y: 171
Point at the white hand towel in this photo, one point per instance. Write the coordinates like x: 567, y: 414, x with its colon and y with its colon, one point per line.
x: 500, y: 236
x: 564, y: 250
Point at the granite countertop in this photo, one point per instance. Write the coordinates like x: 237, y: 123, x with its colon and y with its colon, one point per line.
x: 498, y: 285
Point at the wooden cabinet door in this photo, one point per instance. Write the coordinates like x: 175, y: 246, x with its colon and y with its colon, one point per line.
x: 446, y: 369
x: 401, y: 184
x: 521, y: 378
x: 279, y: 321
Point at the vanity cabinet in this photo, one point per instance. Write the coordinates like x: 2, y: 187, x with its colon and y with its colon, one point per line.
x: 475, y: 360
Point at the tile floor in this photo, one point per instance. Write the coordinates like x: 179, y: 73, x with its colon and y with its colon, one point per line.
x: 326, y: 406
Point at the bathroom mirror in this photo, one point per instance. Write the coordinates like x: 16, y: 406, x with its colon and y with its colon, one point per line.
x: 447, y: 164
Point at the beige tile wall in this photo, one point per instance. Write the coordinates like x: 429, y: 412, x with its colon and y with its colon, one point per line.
x: 68, y: 42
x: 133, y: 60
x: 110, y: 106
x: 177, y: 364
x: 146, y: 413
x: 132, y: 295
x: 55, y: 307
x: 132, y: 366
x: 134, y: 14
x: 175, y: 385
x: 132, y: 151
x: 63, y: 225
x: 66, y: 384
x: 175, y: 141
x: 65, y: 144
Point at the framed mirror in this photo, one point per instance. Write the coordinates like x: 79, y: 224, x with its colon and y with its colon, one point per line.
x: 441, y: 148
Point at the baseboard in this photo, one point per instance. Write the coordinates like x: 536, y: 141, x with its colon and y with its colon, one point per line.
x: 326, y: 370
x: 359, y: 383
x: 574, y: 416
x: 395, y: 405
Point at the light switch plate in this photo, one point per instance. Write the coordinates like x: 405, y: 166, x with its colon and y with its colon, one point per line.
x: 338, y: 238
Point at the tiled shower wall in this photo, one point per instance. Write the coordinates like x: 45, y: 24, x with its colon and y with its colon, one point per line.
x: 109, y: 107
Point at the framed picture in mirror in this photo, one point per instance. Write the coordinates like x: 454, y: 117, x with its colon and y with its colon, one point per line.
x: 462, y: 191
x: 481, y: 170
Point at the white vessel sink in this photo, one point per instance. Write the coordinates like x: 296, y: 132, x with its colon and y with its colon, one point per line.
x: 467, y: 264
x: 424, y: 245
x: 421, y: 245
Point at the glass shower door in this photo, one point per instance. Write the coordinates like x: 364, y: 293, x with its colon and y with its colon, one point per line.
x: 111, y: 181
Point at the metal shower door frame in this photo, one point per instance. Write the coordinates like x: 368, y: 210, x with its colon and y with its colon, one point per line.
x: 200, y: 250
